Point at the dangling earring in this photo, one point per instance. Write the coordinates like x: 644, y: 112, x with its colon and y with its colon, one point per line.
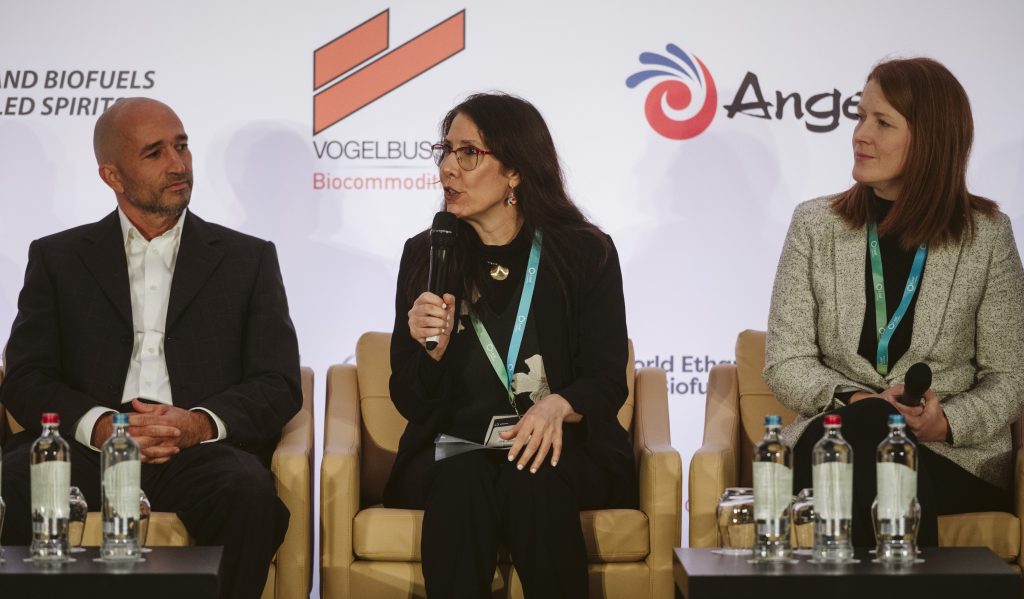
x: 511, y: 199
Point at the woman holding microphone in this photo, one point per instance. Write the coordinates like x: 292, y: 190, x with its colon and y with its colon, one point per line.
x: 906, y: 266
x: 532, y: 333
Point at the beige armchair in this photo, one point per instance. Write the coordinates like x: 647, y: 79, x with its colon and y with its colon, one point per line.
x: 290, y: 573
x: 737, y: 402
x: 371, y: 551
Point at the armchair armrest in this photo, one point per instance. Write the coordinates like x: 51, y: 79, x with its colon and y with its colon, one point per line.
x: 714, y: 465
x: 339, y: 480
x: 661, y: 473
x: 292, y: 464
x: 1018, y: 497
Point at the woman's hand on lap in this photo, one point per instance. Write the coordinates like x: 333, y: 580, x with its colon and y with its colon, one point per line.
x: 540, y: 431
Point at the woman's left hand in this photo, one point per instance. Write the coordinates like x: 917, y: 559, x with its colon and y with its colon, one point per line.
x: 540, y: 431
x: 927, y: 421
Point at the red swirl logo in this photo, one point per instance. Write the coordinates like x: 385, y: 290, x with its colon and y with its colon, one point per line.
x: 669, y: 106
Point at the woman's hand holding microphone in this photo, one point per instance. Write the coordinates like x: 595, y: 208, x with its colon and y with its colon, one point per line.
x: 432, y: 316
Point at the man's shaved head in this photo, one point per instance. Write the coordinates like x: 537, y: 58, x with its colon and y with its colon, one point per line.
x: 108, y: 137
x: 143, y: 156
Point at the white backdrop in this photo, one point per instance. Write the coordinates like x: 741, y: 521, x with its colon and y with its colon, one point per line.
x: 699, y: 222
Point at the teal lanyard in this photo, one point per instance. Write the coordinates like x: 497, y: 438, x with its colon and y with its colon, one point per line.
x: 884, y: 331
x: 505, y: 371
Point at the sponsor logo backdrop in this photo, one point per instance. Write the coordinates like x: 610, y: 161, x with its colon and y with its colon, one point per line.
x: 687, y: 130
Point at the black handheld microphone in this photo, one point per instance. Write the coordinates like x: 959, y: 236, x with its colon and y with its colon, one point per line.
x: 916, y: 384
x: 442, y: 241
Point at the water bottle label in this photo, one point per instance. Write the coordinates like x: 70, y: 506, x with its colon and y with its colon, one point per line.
x: 51, y: 489
x: 833, y: 490
x: 121, y: 488
x: 773, y: 490
x: 897, y: 488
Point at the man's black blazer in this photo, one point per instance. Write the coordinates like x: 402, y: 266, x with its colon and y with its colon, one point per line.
x: 230, y: 345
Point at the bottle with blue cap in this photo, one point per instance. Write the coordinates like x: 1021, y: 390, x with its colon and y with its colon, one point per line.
x: 773, y: 493
x: 896, y: 513
x: 120, y: 479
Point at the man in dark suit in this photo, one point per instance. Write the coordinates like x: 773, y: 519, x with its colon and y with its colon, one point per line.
x: 181, y: 323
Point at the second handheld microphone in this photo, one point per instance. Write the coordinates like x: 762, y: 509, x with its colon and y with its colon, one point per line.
x: 916, y: 384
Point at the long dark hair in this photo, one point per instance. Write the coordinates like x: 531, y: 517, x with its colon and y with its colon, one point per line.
x: 516, y: 133
x: 934, y: 205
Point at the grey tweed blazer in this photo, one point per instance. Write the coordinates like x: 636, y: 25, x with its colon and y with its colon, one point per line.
x: 968, y: 326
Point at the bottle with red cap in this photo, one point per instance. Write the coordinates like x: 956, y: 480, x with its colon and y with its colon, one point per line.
x: 50, y: 475
x: 832, y: 475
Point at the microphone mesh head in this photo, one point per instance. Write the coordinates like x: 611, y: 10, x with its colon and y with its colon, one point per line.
x: 442, y: 231
x: 919, y: 377
x: 444, y: 221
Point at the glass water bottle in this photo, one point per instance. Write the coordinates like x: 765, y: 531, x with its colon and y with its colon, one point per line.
x: 832, y: 474
x: 773, y: 493
x: 121, y: 476
x: 50, y: 475
x: 896, y: 512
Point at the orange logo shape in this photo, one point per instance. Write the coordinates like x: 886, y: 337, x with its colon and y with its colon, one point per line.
x: 382, y: 76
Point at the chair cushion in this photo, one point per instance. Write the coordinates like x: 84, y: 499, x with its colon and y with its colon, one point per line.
x: 999, y: 531
x: 383, y: 534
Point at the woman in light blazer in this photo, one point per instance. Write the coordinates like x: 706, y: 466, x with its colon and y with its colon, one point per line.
x: 953, y: 287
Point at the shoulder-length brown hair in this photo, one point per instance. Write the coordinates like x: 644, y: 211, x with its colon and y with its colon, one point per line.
x: 933, y: 205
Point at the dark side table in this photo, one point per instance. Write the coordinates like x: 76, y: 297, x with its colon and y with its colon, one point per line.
x: 167, y: 573
x: 952, y: 572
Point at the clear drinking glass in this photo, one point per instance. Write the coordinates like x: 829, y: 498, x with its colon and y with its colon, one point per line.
x: 144, y: 511
x: 736, y: 521
x: 803, y: 522
x: 76, y: 519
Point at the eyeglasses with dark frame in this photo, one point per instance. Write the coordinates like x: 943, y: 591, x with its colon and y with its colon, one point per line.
x: 468, y: 157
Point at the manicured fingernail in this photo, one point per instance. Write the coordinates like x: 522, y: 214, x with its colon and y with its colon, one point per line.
x: 511, y: 457
x: 519, y: 466
x: 533, y: 471
x: 554, y: 463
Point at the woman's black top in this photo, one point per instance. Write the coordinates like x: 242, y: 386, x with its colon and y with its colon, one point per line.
x: 477, y: 394
x: 575, y: 345
x: 896, y: 265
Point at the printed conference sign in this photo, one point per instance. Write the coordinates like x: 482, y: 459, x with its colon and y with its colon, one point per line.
x: 336, y: 101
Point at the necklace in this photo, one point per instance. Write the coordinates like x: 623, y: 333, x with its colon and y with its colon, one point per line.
x: 498, y: 272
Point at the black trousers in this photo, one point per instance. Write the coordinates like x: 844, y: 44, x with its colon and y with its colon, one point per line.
x: 942, y: 486
x: 222, y: 494
x: 478, y: 501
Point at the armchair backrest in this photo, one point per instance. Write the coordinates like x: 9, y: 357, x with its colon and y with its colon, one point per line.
x: 756, y: 399
x: 626, y: 411
x: 8, y: 425
x: 382, y: 425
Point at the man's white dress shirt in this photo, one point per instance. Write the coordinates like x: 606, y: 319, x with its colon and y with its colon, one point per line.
x: 150, y: 271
